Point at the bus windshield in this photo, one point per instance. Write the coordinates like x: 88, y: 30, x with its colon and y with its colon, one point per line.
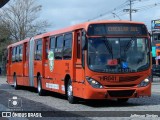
x: 118, y: 55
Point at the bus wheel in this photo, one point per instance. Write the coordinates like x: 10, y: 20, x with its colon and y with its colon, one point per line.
x: 70, y: 96
x: 122, y: 100
x: 15, y: 82
x: 39, y: 87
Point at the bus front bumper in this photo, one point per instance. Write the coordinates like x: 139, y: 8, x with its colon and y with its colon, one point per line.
x: 117, y: 92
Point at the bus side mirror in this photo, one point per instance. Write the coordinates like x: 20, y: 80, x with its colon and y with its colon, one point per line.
x: 84, y: 41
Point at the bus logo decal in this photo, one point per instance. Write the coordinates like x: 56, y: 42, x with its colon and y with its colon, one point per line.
x: 51, y: 60
x: 52, y: 86
x: 124, y: 65
x: 109, y: 78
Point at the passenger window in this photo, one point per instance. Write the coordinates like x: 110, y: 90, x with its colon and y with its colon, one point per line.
x: 78, y: 45
x: 52, y: 44
x: 13, y: 54
x: 67, y: 51
x: 26, y: 51
x: 20, y: 53
x: 17, y: 53
x: 46, y: 47
x: 59, y: 47
x: 38, y: 51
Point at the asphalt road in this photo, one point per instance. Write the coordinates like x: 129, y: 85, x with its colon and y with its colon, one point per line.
x: 56, y: 105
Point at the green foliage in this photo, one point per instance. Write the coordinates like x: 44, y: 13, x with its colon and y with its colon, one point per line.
x: 19, y: 19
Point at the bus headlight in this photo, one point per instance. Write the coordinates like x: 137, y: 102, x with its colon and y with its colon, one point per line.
x: 145, y: 82
x: 94, y: 83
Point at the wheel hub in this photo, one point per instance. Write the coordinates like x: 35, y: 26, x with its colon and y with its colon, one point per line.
x: 69, y: 90
x: 39, y: 88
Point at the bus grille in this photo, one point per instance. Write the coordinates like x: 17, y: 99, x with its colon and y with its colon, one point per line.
x: 132, y: 85
x: 128, y: 79
x: 121, y: 93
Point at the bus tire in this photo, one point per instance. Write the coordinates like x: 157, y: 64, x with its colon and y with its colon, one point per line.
x: 70, y: 96
x: 122, y: 100
x: 39, y: 86
x: 15, y: 82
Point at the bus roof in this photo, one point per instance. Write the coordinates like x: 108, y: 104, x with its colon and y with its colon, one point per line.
x: 18, y: 43
x: 74, y: 27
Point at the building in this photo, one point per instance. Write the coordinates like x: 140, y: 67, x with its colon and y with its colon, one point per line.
x: 155, y: 31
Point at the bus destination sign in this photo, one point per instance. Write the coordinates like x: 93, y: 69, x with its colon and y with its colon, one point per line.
x: 122, y: 29
x: 116, y: 29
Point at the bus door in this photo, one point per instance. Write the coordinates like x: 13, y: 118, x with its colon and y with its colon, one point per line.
x: 38, y: 60
x: 51, y: 82
x: 79, y: 68
x: 26, y: 64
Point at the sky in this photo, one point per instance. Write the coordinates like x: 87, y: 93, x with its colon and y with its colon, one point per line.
x: 63, y: 13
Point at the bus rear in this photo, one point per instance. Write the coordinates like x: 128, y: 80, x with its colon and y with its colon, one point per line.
x: 117, y: 61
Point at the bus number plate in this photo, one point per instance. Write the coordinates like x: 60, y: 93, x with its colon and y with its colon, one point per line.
x: 109, y: 78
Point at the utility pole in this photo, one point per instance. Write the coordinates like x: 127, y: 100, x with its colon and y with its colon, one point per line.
x: 130, y: 10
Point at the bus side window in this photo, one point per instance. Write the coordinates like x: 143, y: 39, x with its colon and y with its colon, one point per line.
x: 67, y: 50
x: 26, y: 51
x: 59, y: 47
x: 46, y: 47
x: 38, y: 51
x: 78, y: 45
x: 84, y: 46
x: 20, y: 52
x: 17, y: 53
x: 52, y: 44
x: 13, y: 54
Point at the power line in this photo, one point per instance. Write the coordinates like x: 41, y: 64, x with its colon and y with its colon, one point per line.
x: 110, y: 11
x: 116, y: 15
x: 119, y: 10
x: 148, y: 6
x: 142, y: 8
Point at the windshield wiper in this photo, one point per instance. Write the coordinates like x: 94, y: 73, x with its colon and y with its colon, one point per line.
x: 129, y: 44
x: 108, y: 46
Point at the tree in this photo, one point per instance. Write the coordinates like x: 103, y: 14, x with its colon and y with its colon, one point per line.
x: 20, y: 19
x: 4, y: 41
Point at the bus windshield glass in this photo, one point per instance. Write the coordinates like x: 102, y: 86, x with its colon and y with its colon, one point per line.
x: 118, y: 55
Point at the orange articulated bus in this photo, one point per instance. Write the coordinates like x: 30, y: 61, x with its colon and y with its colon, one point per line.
x: 92, y: 60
